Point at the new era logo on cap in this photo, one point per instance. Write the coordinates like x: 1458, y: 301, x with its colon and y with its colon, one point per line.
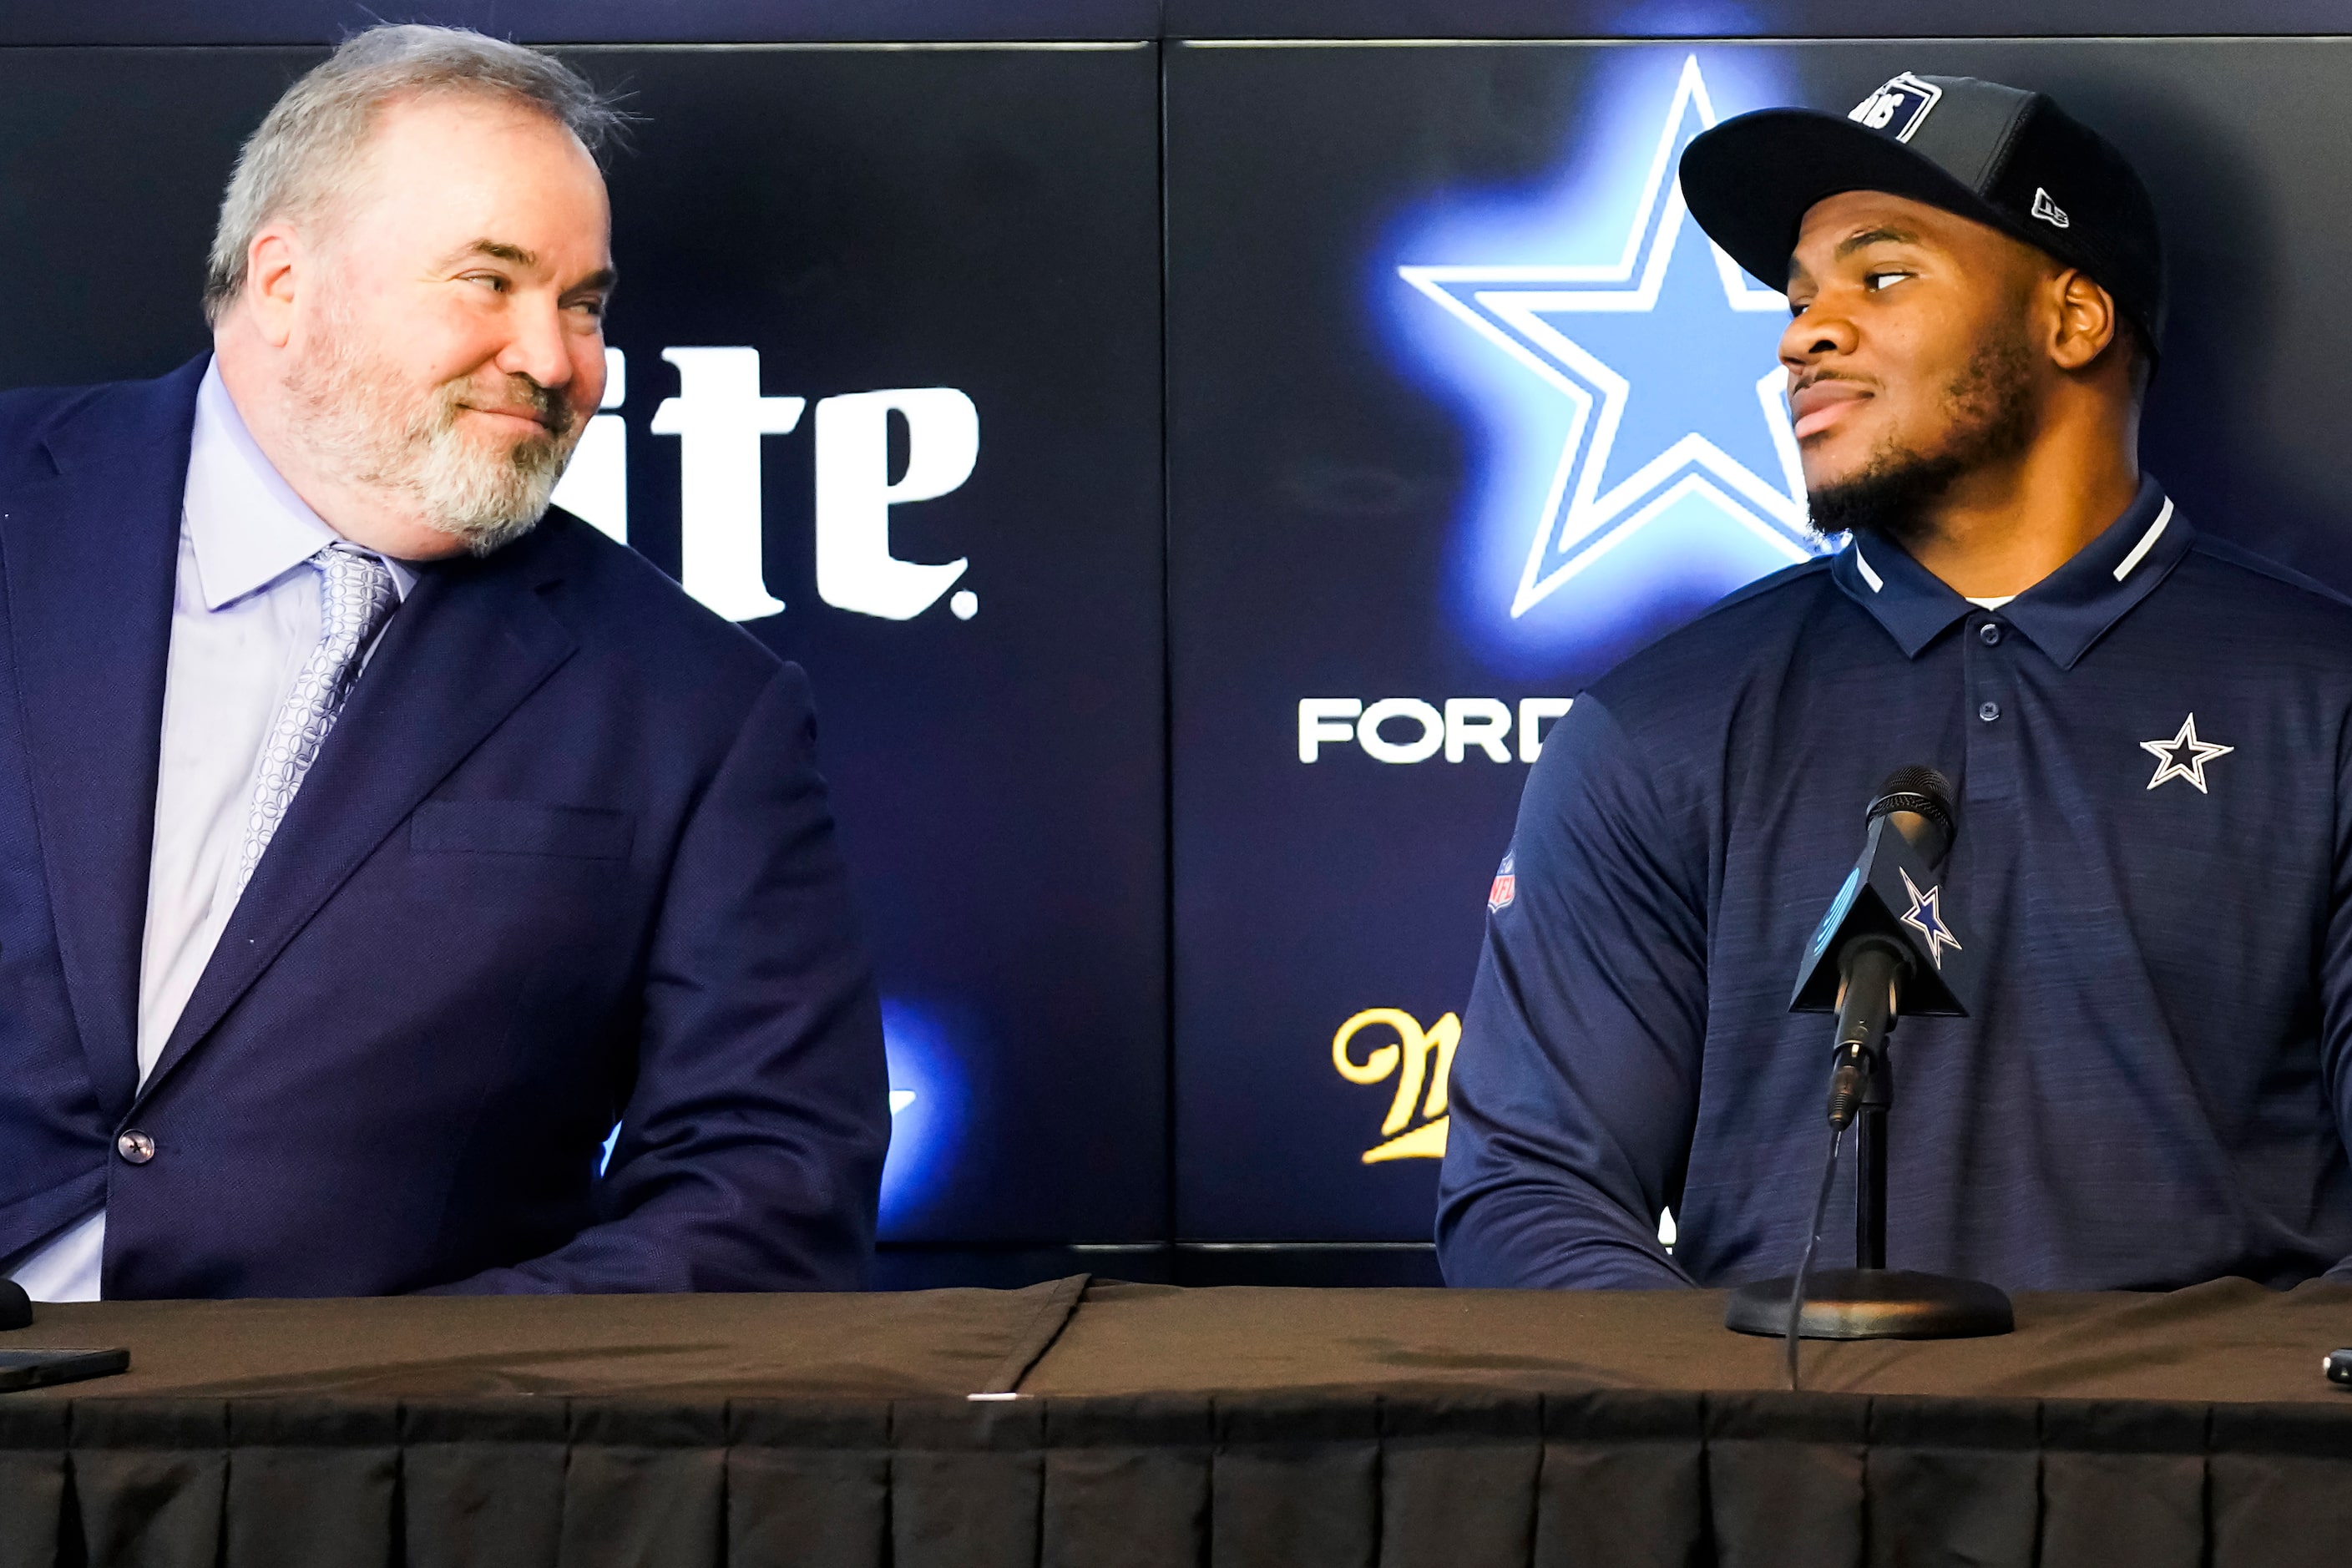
x: 2048, y: 211
x: 1897, y: 107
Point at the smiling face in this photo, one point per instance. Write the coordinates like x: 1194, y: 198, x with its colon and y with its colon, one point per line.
x: 1912, y: 356
x: 445, y: 345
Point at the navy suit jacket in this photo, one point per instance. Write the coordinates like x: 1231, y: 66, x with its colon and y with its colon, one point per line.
x: 564, y: 859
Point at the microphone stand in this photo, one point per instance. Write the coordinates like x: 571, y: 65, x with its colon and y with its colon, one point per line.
x: 1869, y: 1301
x: 1870, y: 1159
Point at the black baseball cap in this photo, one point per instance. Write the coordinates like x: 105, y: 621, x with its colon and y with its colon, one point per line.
x: 2006, y: 158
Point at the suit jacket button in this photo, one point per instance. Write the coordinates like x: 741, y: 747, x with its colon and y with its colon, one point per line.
x: 135, y: 1147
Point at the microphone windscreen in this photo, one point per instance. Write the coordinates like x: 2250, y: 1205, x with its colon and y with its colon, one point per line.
x: 1922, y: 793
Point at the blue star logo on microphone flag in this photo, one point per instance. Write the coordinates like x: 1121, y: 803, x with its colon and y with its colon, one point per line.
x: 1926, y: 916
x: 1666, y: 360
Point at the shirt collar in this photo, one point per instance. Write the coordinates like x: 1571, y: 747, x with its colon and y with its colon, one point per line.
x: 2063, y: 615
x: 245, y: 522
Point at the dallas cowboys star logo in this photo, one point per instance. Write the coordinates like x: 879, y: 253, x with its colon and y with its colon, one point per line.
x: 1702, y: 422
x: 1927, y: 918
x: 2184, y: 756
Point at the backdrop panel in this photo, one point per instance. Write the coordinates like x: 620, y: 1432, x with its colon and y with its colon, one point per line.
x: 597, y: 21
x: 1463, y: 409
x: 1403, y: 525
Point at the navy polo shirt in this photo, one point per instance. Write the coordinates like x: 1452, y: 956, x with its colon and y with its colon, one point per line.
x: 2150, y: 748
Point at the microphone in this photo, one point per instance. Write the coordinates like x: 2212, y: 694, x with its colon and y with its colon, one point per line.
x: 1917, y: 802
x: 1886, y: 947
x: 1888, y: 944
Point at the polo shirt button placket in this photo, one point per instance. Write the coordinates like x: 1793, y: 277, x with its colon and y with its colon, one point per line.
x: 1992, y: 739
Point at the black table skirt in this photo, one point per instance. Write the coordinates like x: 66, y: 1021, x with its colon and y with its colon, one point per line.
x: 1428, y: 1465
x: 1447, y: 1478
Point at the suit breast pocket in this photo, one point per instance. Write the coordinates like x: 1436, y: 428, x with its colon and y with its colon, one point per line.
x: 520, y: 827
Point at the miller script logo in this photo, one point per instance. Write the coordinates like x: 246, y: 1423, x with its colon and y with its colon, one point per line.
x: 1421, y: 1060
x: 720, y: 418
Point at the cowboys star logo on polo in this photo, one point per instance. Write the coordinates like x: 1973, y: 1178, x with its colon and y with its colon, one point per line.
x: 1899, y: 107
x: 1926, y: 916
x: 2184, y: 756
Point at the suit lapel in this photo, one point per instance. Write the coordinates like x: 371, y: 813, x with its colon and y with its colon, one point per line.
x: 471, y: 642
x: 90, y: 554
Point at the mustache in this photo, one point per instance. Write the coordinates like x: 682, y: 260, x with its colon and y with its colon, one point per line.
x: 1814, y: 378
x: 547, y: 404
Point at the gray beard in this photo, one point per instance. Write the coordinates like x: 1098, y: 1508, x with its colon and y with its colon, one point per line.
x: 366, y: 423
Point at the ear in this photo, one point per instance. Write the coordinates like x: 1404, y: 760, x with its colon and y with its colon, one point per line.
x: 277, y: 266
x: 2086, y: 320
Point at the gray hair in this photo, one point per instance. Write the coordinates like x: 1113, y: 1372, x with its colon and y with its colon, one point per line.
x: 307, y: 152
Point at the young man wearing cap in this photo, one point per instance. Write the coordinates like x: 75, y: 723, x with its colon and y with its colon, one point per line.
x: 2149, y: 733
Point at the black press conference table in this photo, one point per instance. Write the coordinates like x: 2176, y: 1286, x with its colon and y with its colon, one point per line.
x: 1140, y: 1426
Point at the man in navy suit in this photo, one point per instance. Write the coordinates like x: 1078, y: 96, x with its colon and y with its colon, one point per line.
x: 371, y: 838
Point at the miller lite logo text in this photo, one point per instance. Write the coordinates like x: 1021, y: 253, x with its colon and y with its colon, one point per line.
x: 720, y: 418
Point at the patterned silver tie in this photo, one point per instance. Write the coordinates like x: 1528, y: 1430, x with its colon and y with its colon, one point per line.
x: 355, y: 595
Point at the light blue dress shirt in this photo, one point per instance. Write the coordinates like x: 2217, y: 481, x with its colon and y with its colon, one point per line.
x: 244, y: 616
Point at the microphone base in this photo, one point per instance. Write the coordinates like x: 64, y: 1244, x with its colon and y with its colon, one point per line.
x: 1872, y: 1304
x: 15, y: 1306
